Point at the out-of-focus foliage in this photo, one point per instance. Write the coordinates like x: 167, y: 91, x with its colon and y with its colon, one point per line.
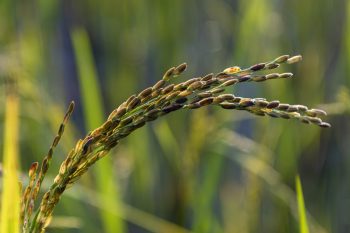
x: 93, y: 113
x: 205, y: 170
x: 10, y: 197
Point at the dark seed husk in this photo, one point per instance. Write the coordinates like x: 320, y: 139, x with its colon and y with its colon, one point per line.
x: 194, y: 105
x: 302, y: 108
x: 172, y: 108
x: 281, y: 59
x: 129, y: 99
x: 158, y: 85
x: 152, y: 112
x: 262, y: 103
x: 222, y: 75
x: 185, y: 93
x: 190, y: 81
x: 181, y: 68
x: 246, y: 103
x: 259, y: 78
x: 195, y: 85
x: 206, y: 101
x: 207, y: 77
x: 217, y: 90
x: 227, y: 97
x: 145, y: 92
x: 286, y: 75
x: 257, y: 67
x: 167, y: 89
x: 272, y: 76
x: 244, y: 78
x: 169, y: 73
x: 126, y: 121
x: 283, y: 107
x: 273, y: 104
x: 271, y: 66
x: 236, y: 99
x: 292, y: 108
x: 230, y: 82
x: 172, y: 95
x: 133, y: 103
x: 204, y: 94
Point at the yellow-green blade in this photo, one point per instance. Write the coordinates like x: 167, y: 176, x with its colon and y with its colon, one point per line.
x: 301, y: 206
x: 10, y: 200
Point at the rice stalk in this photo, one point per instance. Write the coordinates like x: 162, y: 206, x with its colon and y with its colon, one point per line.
x: 163, y: 98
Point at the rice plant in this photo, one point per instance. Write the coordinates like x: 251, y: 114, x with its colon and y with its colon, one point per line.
x: 148, y: 105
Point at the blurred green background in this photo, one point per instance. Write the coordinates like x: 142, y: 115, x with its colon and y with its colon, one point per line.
x: 205, y: 170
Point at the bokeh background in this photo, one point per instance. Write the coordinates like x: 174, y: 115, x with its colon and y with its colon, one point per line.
x: 206, y: 170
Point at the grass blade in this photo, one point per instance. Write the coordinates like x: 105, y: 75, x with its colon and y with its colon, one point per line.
x: 93, y: 113
x: 10, y: 200
x: 301, y: 206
